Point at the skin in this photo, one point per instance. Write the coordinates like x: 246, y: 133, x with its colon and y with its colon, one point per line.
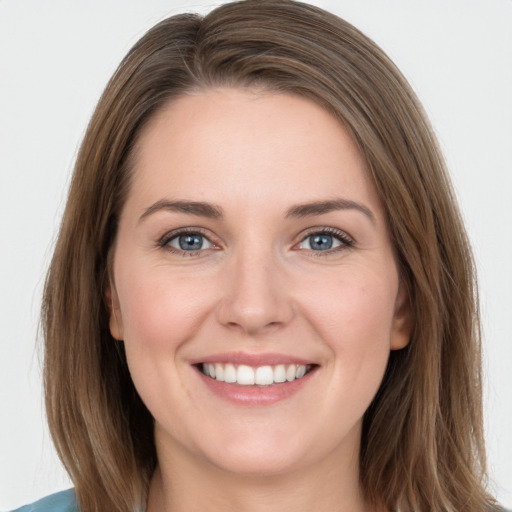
x: 256, y: 287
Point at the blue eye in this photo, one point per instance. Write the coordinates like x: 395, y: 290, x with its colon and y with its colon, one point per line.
x: 321, y: 242
x: 325, y: 241
x: 189, y: 242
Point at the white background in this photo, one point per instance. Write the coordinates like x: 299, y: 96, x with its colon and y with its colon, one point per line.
x: 56, y: 57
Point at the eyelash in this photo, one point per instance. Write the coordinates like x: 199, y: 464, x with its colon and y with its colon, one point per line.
x: 163, y: 243
x: 346, y: 242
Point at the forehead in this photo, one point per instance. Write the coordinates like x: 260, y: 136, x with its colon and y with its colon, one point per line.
x: 252, y: 143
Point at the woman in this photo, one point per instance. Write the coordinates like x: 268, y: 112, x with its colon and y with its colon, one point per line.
x: 262, y: 295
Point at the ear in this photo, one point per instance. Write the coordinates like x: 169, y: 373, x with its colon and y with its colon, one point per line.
x: 115, y: 317
x: 403, y: 321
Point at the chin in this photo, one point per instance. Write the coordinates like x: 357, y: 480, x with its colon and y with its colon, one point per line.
x: 256, y: 461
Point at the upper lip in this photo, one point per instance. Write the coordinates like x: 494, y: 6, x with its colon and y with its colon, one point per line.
x: 254, y: 360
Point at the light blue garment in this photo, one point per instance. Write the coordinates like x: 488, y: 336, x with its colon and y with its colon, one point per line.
x: 63, y: 501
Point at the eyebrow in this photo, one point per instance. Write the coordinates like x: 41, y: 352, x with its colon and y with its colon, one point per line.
x: 212, y: 211
x: 322, y: 207
x: 191, y: 207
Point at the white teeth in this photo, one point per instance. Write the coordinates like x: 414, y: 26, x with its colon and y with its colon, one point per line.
x: 280, y: 373
x: 262, y: 375
x: 301, y: 371
x: 245, y: 375
x: 219, y: 372
x: 229, y: 373
x: 290, y: 373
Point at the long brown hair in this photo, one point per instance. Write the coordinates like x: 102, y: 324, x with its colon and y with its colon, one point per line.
x: 422, y: 444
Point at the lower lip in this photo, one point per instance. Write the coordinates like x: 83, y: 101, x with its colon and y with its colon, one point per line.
x: 255, y: 395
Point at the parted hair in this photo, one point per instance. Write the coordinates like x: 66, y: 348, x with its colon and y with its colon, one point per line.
x: 422, y: 440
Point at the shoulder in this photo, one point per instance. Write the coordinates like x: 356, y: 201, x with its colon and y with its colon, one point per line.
x: 63, y: 501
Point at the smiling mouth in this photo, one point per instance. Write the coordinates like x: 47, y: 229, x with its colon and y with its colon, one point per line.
x: 244, y: 375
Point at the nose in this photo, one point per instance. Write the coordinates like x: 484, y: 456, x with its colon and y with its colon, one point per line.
x: 255, y: 298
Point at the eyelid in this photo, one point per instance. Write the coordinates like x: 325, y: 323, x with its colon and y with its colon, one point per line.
x: 163, y: 241
x: 346, y: 241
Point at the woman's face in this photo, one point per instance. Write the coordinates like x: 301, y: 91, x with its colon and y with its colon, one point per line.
x: 253, y: 245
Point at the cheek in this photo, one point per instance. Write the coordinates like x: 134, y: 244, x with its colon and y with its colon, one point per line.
x: 354, y: 308
x: 159, y: 310
x: 353, y: 314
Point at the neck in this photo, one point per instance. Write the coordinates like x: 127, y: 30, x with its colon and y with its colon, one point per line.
x: 182, y: 483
